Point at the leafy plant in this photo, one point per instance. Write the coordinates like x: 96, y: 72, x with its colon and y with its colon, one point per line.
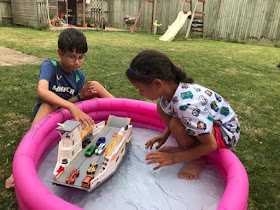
x: 87, y: 19
x: 91, y: 21
x: 128, y: 20
x: 51, y: 16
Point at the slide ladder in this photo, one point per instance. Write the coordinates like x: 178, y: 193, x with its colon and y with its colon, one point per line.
x: 196, y: 25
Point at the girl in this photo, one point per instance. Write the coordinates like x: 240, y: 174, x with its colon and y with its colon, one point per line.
x: 200, y: 119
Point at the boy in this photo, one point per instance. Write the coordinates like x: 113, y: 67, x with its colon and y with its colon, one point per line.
x: 61, y: 83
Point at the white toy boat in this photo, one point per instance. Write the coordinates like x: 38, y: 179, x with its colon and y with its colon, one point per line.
x: 71, y: 154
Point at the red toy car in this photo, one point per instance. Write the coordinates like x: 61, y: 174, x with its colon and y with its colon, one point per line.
x: 73, y: 174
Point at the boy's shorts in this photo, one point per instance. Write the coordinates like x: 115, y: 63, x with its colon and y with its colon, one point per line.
x: 219, y: 137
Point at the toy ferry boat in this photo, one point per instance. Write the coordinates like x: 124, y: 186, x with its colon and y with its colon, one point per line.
x: 76, y: 152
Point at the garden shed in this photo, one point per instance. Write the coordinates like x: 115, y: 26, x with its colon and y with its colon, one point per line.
x: 36, y: 13
x: 5, y: 11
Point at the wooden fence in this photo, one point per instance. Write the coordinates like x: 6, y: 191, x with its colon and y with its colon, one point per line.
x: 224, y: 19
x: 243, y: 19
x: 42, y: 13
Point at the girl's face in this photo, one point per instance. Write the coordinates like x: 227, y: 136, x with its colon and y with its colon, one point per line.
x: 149, y: 91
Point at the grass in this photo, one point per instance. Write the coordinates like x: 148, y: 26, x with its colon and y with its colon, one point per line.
x: 246, y: 75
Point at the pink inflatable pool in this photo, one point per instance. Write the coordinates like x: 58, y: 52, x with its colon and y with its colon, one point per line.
x: 42, y: 137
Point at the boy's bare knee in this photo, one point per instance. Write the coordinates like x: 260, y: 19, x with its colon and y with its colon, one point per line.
x: 98, y: 87
x: 101, y: 90
x: 96, y: 84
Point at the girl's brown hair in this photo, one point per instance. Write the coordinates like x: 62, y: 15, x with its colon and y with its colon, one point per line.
x: 150, y: 64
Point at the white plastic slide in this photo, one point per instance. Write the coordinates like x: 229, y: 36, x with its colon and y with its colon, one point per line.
x: 175, y: 27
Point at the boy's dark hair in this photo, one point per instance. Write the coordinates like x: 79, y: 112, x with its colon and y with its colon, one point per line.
x: 150, y: 64
x: 70, y: 39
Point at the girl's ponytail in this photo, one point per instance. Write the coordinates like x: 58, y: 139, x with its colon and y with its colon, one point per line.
x: 180, y: 76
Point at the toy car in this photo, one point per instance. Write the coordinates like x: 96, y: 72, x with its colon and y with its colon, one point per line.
x: 100, y: 149
x: 90, y: 150
x: 73, y: 174
x: 64, y: 161
x: 85, y: 142
x: 100, y: 140
x: 86, y: 181
x: 92, y: 168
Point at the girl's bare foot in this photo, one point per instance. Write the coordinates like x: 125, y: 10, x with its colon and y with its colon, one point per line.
x: 192, y: 169
x: 10, y: 184
x: 169, y: 149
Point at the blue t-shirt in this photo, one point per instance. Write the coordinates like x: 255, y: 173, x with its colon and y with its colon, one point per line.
x: 63, y: 84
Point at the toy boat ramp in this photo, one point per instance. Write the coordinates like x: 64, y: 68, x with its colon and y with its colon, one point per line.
x: 71, y: 154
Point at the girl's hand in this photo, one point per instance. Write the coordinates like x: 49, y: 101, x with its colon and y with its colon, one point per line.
x: 79, y: 115
x: 160, y: 140
x: 162, y: 158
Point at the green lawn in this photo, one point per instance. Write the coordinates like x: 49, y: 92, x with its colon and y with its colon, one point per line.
x: 246, y: 75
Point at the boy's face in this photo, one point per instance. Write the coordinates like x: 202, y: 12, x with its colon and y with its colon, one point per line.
x: 70, y: 61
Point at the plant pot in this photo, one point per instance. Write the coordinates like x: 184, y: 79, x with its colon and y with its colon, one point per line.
x: 129, y: 27
x: 53, y: 22
x: 90, y: 25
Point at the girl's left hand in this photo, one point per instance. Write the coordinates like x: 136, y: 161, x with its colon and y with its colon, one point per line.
x: 162, y: 158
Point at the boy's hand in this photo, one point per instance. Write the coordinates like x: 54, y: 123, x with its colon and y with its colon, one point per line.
x: 88, y: 91
x: 162, y: 158
x: 79, y: 115
x: 160, y: 139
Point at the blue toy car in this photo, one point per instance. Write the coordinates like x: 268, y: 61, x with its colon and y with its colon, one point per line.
x: 100, y: 140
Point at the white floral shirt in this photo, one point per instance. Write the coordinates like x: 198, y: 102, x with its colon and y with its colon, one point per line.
x: 198, y: 108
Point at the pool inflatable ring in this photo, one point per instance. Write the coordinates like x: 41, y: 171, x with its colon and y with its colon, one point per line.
x: 31, y: 193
